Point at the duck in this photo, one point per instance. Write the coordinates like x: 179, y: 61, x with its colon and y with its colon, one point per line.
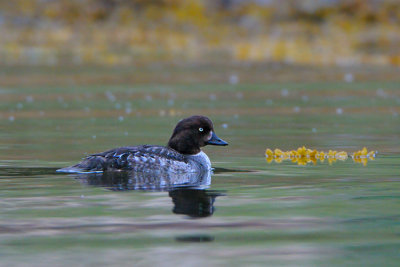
x: 182, y: 154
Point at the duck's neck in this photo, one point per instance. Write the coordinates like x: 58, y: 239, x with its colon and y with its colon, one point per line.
x: 184, y: 145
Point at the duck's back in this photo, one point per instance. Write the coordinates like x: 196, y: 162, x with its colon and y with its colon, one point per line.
x: 136, y: 158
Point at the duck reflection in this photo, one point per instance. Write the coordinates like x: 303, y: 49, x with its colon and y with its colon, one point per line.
x: 193, y: 202
x: 188, y: 190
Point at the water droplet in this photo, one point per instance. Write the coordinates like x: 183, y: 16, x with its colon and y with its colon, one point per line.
x: 11, y: 118
x: 381, y: 93
x: 110, y: 96
x: 348, y: 77
x: 233, y: 79
x: 93, y: 137
x: 29, y: 99
x: 284, y: 92
x: 225, y: 125
x: 269, y: 102
x: 339, y: 111
x: 121, y: 118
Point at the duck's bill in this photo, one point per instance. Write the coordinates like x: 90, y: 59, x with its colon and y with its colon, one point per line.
x: 216, y: 141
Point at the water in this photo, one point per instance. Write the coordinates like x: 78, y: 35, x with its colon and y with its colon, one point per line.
x: 253, y: 213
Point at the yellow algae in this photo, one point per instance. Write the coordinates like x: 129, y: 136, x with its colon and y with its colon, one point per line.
x: 313, y: 160
x: 342, y: 155
x: 269, y: 159
x: 313, y: 153
x: 303, y: 156
x: 331, y: 154
x: 269, y: 153
x: 278, y: 152
x: 302, y: 161
x: 364, y: 151
x: 355, y: 155
x: 364, y: 154
x: 363, y: 161
x: 302, y: 151
x: 371, y: 155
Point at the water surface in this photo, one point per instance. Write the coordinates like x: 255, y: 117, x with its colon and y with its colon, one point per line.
x: 251, y: 212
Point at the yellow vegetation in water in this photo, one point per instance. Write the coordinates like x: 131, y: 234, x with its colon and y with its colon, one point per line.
x: 304, y: 155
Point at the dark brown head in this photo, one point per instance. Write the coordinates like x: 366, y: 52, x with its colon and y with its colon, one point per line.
x: 192, y: 133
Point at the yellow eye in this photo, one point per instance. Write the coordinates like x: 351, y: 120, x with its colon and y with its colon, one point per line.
x: 201, y: 129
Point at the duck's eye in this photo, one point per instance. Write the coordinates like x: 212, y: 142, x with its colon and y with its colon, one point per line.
x: 201, y: 129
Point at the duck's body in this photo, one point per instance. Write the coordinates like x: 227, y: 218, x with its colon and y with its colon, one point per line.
x: 182, y: 154
x: 145, y: 158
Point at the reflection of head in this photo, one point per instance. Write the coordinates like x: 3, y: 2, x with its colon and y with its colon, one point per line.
x: 193, y: 202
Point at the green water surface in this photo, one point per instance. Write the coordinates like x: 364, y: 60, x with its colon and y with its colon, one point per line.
x: 344, y: 214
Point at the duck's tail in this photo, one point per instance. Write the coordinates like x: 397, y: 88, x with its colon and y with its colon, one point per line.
x: 89, y: 164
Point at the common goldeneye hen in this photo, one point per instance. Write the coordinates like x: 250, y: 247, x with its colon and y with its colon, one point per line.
x: 182, y: 153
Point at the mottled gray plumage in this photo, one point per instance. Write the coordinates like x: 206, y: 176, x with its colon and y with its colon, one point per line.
x: 136, y: 158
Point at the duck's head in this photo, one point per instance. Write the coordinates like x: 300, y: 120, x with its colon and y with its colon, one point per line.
x: 190, y: 134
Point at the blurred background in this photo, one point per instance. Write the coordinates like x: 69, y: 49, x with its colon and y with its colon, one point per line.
x: 126, y: 32
x: 102, y: 66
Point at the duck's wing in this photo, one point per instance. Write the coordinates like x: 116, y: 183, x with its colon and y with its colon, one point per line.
x: 142, y: 151
x: 137, y: 158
